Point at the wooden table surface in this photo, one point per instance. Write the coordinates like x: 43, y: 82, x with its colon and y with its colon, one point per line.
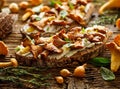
x: 92, y: 80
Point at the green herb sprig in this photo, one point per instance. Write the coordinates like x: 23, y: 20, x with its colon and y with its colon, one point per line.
x: 25, y: 76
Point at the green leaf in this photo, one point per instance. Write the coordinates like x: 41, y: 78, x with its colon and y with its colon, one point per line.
x: 100, y: 61
x: 67, y: 40
x: 107, y: 74
x: 17, y: 48
x: 70, y: 5
x: 53, y: 2
x: 63, y: 13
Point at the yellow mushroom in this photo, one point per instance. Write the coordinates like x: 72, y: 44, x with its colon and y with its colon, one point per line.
x: 28, y: 13
x: 23, y: 5
x: 13, y: 62
x: 108, y: 5
x: 35, y: 2
x: 114, y: 48
x: 14, y: 8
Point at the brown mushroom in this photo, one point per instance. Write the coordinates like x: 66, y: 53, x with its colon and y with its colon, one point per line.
x: 35, y: 2
x: 36, y: 50
x: 23, y: 5
x: 78, y: 45
x: 44, y: 54
x: 14, y: 8
x: 45, y: 9
x: 52, y: 48
x: 60, y: 22
x: 82, y: 2
x: 28, y: 13
x: 58, y: 42
x: 78, y: 19
x: 13, y: 62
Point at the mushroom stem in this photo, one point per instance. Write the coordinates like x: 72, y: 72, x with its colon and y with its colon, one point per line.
x: 26, y: 16
x: 13, y: 62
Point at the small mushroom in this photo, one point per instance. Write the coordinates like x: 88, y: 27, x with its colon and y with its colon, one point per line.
x: 28, y: 13
x: 14, y: 8
x: 35, y: 2
x: 59, y: 79
x: 45, y: 9
x: 13, y: 62
x: 23, y: 5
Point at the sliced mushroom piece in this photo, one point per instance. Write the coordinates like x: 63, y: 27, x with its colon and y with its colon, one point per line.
x: 82, y: 2
x: 44, y: 54
x: 100, y: 36
x: 52, y: 48
x: 73, y: 34
x: 36, y: 25
x: 40, y: 24
x: 89, y: 36
x: 64, y: 6
x: 52, y: 12
x: 60, y: 22
x: 26, y: 42
x: 78, y: 45
x: 76, y: 29
x: 36, y: 50
x: 78, y: 19
x: 62, y: 34
x: 58, y: 42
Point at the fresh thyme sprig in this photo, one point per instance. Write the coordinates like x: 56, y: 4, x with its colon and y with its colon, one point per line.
x: 25, y: 76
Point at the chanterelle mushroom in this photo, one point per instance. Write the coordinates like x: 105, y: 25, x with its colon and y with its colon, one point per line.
x: 114, y: 48
x: 3, y: 48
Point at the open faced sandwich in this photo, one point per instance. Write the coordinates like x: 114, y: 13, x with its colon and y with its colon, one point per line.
x: 63, y: 48
x: 63, y: 14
